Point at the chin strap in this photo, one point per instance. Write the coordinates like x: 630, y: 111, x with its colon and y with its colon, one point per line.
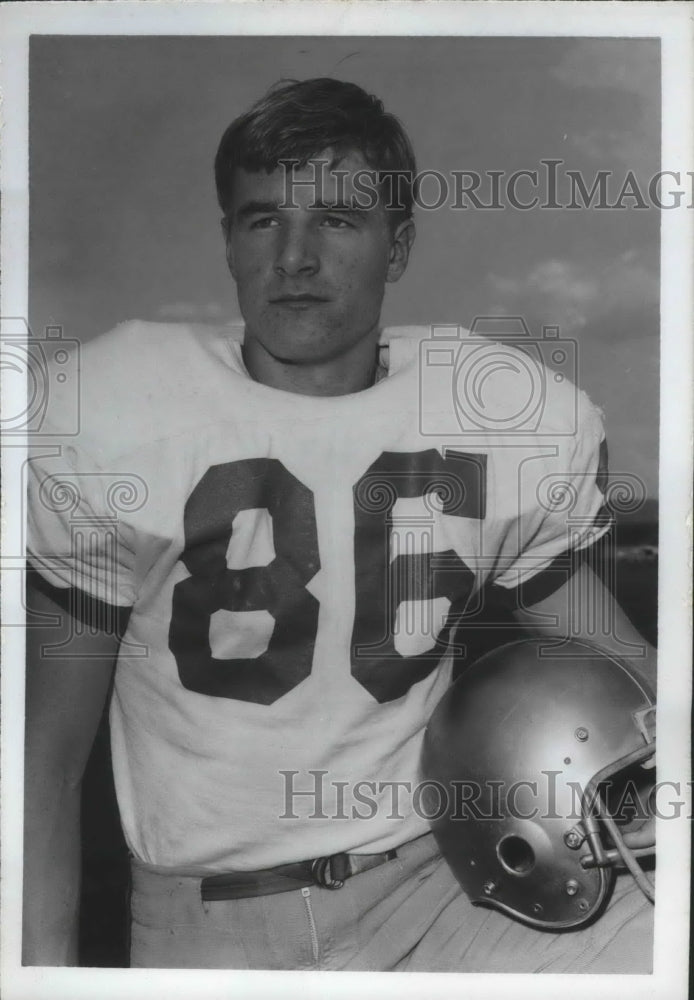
x: 626, y: 854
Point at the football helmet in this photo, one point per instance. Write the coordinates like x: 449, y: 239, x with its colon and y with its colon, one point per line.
x: 533, y: 760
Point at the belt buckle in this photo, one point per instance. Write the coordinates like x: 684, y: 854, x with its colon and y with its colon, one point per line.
x: 330, y: 872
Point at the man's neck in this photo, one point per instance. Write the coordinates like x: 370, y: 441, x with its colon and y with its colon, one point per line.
x: 335, y: 377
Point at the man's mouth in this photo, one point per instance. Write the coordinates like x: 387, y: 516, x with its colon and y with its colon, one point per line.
x: 302, y: 298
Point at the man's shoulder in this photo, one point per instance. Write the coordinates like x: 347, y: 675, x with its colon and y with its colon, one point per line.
x: 142, y: 381
x: 495, y: 388
x: 140, y: 346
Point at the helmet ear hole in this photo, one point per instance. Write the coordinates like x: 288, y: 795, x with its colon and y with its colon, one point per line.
x: 516, y: 855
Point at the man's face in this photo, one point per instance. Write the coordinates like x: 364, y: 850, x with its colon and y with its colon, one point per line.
x: 311, y: 280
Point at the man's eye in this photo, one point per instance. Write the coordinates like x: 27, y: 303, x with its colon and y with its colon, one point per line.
x: 336, y: 222
x: 265, y: 222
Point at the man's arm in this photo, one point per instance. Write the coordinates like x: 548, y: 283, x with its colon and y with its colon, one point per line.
x: 583, y: 608
x: 64, y: 702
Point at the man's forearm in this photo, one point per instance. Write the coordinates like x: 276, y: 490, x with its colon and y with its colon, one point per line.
x: 51, y: 874
x: 65, y: 700
x: 584, y: 609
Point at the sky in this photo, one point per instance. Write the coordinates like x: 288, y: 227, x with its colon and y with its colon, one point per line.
x: 124, y: 222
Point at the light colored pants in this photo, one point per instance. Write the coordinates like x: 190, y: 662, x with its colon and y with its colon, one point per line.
x: 409, y: 914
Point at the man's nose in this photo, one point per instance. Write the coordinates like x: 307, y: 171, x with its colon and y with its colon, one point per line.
x: 297, y: 253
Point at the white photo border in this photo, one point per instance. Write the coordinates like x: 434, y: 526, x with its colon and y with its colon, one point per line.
x: 671, y: 23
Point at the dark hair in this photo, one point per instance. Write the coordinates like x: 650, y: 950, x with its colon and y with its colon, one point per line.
x: 299, y: 119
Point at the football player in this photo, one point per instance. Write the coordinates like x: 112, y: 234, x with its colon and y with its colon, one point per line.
x: 272, y: 535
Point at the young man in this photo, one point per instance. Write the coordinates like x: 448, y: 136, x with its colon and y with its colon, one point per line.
x: 255, y: 540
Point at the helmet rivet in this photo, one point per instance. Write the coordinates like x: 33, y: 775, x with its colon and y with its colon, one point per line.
x: 537, y: 908
x: 583, y: 904
x: 571, y: 887
x: 572, y: 839
x: 489, y: 887
x: 581, y: 734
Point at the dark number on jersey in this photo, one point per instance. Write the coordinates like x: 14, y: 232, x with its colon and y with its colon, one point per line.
x: 279, y: 588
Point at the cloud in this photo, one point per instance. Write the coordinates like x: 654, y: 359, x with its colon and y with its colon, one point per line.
x: 611, y: 309
x: 631, y: 149
x: 559, y: 284
x: 630, y: 70
x: 631, y: 65
x: 563, y: 292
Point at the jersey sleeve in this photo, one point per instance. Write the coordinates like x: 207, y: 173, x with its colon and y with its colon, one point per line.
x: 562, y: 511
x: 77, y: 544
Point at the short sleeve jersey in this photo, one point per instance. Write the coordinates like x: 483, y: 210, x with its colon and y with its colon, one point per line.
x: 295, y: 568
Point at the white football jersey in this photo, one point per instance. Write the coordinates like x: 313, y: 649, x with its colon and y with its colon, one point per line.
x: 295, y: 566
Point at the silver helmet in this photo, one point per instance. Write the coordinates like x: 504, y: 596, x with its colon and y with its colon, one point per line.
x: 536, y: 761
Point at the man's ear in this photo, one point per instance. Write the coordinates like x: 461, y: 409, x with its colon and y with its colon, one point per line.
x: 401, y: 243
x: 226, y: 231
